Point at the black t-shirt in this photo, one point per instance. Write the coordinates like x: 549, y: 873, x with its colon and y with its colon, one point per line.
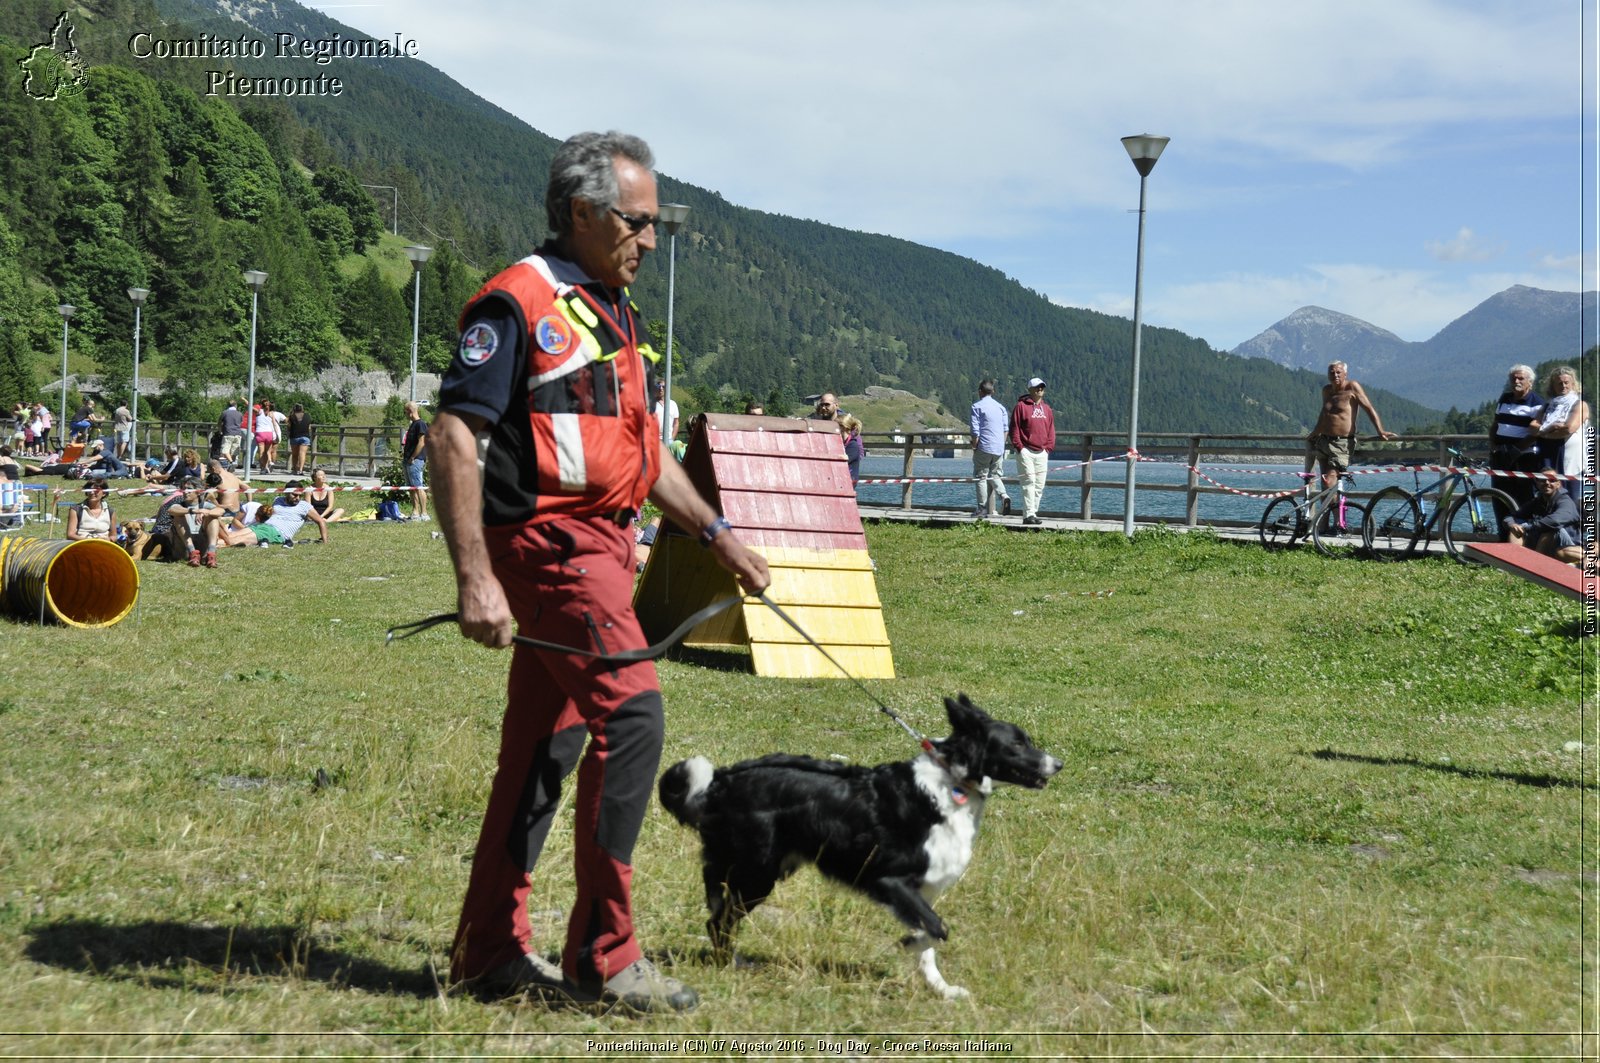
x: 414, y: 434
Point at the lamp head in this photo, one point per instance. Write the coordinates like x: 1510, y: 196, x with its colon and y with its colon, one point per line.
x: 1144, y: 150
x: 66, y: 310
x: 673, y: 215
x: 418, y: 255
x: 256, y: 279
x: 138, y: 295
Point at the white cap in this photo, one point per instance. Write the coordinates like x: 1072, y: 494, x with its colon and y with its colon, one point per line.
x: 1036, y: 382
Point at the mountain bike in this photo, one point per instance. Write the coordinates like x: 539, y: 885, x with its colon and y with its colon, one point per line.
x: 1330, y: 517
x: 1397, y: 519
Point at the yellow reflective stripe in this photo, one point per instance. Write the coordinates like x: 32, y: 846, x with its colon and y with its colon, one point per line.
x: 649, y: 352
x: 576, y: 304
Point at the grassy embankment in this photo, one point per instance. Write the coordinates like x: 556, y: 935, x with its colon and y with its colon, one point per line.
x: 1308, y: 807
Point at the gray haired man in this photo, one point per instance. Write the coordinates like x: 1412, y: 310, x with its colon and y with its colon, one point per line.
x: 988, y: 424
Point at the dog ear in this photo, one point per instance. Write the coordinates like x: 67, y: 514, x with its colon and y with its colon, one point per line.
x: 964, y: 713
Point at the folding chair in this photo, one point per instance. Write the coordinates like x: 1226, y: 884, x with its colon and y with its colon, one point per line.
x: 18, y: 501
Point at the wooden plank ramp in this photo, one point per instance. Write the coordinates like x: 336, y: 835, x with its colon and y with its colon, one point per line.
x: 1535, y: 567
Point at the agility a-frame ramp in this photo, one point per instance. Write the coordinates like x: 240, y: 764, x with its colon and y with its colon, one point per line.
x: 1536, y: 568
x: 784, y: 484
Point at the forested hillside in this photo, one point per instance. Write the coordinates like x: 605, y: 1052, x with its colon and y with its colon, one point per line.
x: 143, y: 180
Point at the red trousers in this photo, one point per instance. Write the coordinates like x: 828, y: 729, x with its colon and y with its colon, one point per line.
x: 568, y: 581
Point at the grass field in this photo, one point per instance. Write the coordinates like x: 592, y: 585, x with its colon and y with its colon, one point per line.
x: 1309, y: 808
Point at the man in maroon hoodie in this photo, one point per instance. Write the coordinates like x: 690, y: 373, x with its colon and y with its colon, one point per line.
x: 1033, y: 433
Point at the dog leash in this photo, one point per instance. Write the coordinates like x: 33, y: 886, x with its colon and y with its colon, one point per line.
x: 647, y: 653
x: 886, y: 710
x: 650, y: 653
x: 957, y: 793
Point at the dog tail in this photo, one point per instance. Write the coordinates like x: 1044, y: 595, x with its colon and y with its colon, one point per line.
x: 683, y: 789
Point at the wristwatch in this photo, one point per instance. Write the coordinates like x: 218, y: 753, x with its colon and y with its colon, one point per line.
x: 709, y: 533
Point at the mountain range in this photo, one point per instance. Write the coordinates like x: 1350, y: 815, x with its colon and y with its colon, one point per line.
x: 143, y: 180
x: 1461, y: 367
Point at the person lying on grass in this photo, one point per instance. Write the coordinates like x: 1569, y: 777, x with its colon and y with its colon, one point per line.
x: 289, y: 515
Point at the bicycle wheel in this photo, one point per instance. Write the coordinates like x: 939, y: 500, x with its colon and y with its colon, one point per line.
x: 1339, y: 534
x: 1472, y: 520
x: 1393, y: 520
x: 1281, y: 524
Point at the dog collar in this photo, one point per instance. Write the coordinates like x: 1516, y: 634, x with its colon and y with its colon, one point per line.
x: 958, y: 793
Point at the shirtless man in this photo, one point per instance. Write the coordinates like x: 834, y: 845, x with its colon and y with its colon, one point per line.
x: 1330, y: 441
x: 228, y: 492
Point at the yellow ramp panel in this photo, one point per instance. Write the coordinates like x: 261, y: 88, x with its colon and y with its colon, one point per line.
x: 832, y: 594
x: 801, y: 661
x: 826, y: 623
x: 831, y: 586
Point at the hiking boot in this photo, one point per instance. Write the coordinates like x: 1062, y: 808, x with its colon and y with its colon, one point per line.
x: 640, y: 987
x: 211, y: 559
x: 194, y: 559
x: 1005, y: 506
x: 529, y: 974
x: 1032, y: 520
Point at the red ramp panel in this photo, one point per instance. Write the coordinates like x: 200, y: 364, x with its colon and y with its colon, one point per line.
x: 1538, y: 568
x: 785, y: 485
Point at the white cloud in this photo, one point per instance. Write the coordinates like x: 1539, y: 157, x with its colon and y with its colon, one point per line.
x: 947, y: 120
x: 1465, y: 246
x: 997, y: 127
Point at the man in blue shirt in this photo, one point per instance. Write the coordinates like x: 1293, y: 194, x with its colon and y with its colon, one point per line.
x: 988, y: 425
x: 1549, y: 524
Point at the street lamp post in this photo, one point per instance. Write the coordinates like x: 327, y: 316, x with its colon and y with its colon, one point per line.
x: 417, y: 255
x: 672, y: 216
x: 1144, y: 150
x: 66, y: 310
x: 138, y: 295
x: 256, y: 280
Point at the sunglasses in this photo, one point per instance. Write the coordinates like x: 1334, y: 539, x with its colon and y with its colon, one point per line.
x: 636, y: 223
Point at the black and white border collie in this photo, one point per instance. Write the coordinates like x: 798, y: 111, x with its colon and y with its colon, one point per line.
x: 901, y: 833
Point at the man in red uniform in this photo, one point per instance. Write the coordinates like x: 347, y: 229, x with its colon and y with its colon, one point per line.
x: 552, y: 372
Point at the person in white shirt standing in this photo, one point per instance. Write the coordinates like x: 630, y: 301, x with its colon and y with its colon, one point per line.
x: 988, y: 423
x: 670, y: 410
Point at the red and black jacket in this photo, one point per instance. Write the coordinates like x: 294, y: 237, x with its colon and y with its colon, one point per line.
x: 554, y: 361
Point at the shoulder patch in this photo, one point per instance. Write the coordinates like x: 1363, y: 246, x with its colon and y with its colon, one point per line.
x: 552, y: 333
x: 478, y: 343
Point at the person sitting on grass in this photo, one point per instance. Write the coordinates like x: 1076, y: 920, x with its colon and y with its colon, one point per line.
x: 177, y: 467
x: 289, y: 515
x: 1549, y: 524
x: 157, y: 542
x: 102, y: 461
x: 321, y: 498
x: 163, y: 470
x: 197, y: 520
x: 92, y: 518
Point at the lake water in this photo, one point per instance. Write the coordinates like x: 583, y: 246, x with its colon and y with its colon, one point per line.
x: 1257, y: 479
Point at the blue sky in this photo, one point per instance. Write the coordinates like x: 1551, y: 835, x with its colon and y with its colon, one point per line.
x: 1398, y: 160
